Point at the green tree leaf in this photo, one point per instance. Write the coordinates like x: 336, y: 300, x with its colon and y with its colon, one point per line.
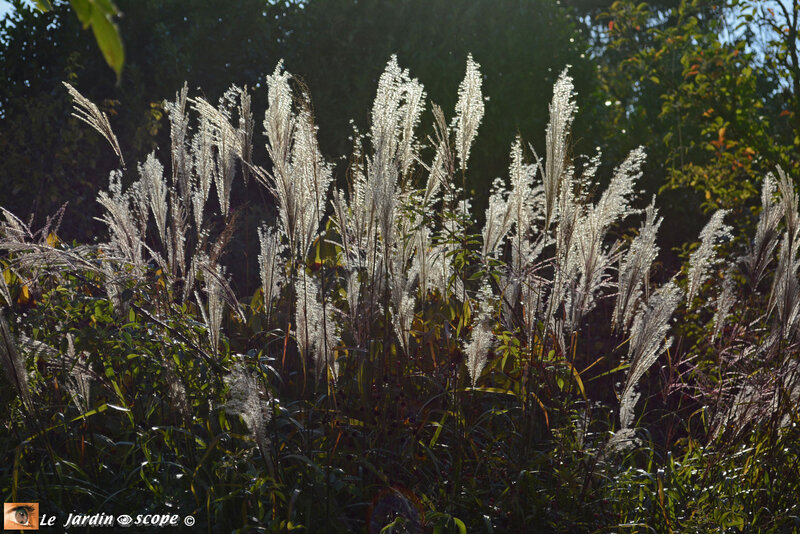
x: 83, y: 9
x: 44, y: 5
x: 109, y: 40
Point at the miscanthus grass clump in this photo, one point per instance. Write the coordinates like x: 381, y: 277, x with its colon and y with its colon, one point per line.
x: 397, y: 352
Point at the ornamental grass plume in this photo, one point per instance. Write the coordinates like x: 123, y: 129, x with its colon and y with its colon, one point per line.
x: 212, y: 311
x: 13, y: 364
x: 498, y: 219
x: 525, y: 206
x: 382, y: 221
x: 399, y: 230
x: 648, y: 340
x: 724, y: 304
x: 562, y: 112
x: 396, y: 111
x: 441, y: 167
x: 784, y: 298
x: 36, y: 253
x: 270, y: 263
x: 5, y: 294
x: 469, y: 111
x: 565, y: 264
x: 218, y: 293
x: 704, y: 257
x: 178, y: 132
x: 763, y: 396
x: 789, y: 201
x: 225, y: 139
x: 88, y: 112
x: 80, y: 375
x: 125, y: 217
x: 634, y: 268
x: 316, y: 328
x: 203, y: 168
x: 155, y: 189
x: 759, y: 253
x: 247, y: 400
x: 177, y: 235
x: 300, y: 178
x: 245, y: 132
x: 208, y: 158
x: 592, y: 257
x: 481, y: 339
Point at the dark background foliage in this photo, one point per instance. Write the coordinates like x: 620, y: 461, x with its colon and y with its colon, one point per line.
x: 711, y: 98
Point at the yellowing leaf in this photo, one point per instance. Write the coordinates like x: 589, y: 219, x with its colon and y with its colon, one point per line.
x: 52, y: 239
x: 24, y: 296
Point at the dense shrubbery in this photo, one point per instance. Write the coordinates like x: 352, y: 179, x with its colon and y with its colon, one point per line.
x: 394, y: 369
